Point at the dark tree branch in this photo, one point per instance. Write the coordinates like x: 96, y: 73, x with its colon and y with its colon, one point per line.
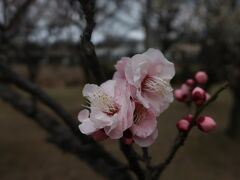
x: 36, y: 91
x: 132, y: 159
x: 61, y: 136
x: 87, y: 49
x: 12, y: 26
x: 182, y: 136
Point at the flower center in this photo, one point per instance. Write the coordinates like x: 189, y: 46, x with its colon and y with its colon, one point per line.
x: 103, y: 102
x: 155, y: 84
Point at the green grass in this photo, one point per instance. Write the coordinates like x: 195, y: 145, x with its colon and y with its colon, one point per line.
x: 26, y: 155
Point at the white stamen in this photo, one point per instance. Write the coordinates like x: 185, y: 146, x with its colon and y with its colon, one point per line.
x: 103, y: 102
x: 156, y: 85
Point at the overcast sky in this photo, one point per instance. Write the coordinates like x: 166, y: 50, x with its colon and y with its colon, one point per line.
x: 125, y: 24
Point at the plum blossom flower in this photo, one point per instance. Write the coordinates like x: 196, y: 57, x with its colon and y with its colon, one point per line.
x: 110, y: 106
x: 149, y: 76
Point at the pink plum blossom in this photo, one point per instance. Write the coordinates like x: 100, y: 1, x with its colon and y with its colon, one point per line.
x: 149, y: 75
x: 110, y: 106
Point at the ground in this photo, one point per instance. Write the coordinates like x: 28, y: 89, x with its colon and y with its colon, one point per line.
x: 25, y: 154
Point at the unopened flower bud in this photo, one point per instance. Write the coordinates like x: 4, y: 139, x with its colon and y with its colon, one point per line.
x: 201, y: 77
x: 182, y: 93
x: 128, y: 141
x: 179, y: 95
x: 190, y: 82
x: 198, y: 96
x: 99, y: 135
x: 189, y: 117
x: 206, y: 124
x: 183, y: 125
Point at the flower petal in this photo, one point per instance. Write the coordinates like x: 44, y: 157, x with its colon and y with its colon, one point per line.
x: 136, y: 70
x: 146, y: 126
x: 120, y: 67
x: 87, y: 127
x: 145, y: 142
x: 83, y: 115
x: 108, y: 87
x: 101, y: 119
x: 156, y: 56
x: 89, y: 89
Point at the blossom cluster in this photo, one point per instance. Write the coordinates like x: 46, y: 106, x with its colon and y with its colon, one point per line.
x: 127, y: 106
x: 192, y: 91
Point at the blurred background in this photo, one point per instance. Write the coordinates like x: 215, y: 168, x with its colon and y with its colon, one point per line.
x: 40, y: 40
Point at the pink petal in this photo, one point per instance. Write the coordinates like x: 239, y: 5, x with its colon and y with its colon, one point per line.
x: 108, y: 87
x: 83, y: 115
x: 120, y: 67
x: 146, y: 126
x: 142, y: 99
x: 102, y: 120
x: 145, y: 142
x: 136, y: 70
x: 156, y: 56
x: 158, y: 103
x: 89, y: 89
x: 87, y: 127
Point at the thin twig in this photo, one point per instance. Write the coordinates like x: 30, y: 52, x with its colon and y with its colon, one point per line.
x: 147, y: 158
x: 182, y: 136
x: 147, y: 161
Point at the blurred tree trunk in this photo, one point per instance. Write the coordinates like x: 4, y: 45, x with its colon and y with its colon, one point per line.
x: 33, y: 70
x: 233, y: 74
x: 146, y: 16
x: 234, y: 125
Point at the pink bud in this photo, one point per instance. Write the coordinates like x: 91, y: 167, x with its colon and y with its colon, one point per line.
x: 201, y: 77
x: 182, y: 93
x: 189, y: 117
x: 206, y: 123
x: 128, y: 141
x: 190, y: 82
x: 179, y: 95
x: 185, y: 89
x: 99, y: 135
x: 127, y: 137
x: 198, y: 96
x: 183, y: 125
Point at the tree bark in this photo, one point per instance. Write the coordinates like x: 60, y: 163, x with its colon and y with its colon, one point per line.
x: 234, y: 123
